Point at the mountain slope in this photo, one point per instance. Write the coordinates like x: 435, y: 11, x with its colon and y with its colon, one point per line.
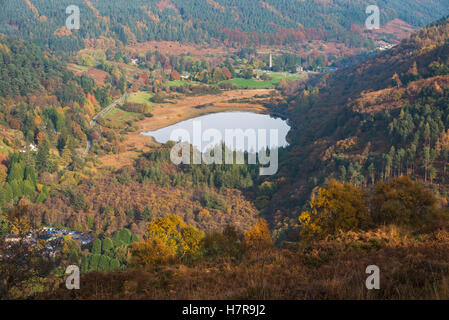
x: 255, y: 22
x: 386, y: 117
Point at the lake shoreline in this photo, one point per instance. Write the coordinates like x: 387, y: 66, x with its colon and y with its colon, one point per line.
x: 185, y: 108
x: 222, y: 127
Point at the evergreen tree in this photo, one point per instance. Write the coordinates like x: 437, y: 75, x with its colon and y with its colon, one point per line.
x: 93, y: 262
x: 107, y: 246
x: 6, y: 195
x: 42, y: 157
x: 125, y: 235
x: 43, y: 195
x: 146, y: 214
x: 30, y: 174
x: 103, y: 263
x: 16, y: 172
x: 96, y: 246
x: 28, y: 189
x: 114, y: 264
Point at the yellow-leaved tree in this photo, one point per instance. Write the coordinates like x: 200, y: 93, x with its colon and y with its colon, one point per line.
x: 337, y: 207
x: 167, y: 240
x: 258, y: 237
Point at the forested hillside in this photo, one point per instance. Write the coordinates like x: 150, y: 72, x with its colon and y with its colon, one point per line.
x: 251, y: 22
x: 44, y: 120
x: 364, y: 179
x: 384, y: 118
x: 33, y: 85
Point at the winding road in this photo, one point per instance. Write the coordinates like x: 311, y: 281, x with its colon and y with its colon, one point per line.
x: 103, y: 112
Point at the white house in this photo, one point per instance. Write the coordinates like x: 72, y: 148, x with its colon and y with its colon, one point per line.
x: 31, y: 147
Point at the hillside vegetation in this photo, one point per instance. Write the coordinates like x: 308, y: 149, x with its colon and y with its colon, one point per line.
x: 176, y: 261
x: 363, y: 181
x: 254, y: 22
x: 384, y: 118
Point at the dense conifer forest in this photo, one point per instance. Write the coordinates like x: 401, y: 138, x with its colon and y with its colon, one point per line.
x: 252, y: 22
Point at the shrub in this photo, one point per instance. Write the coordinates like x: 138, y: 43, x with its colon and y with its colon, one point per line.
x: 227, y: 244
x: 402, y: 201
x: 136, y: 107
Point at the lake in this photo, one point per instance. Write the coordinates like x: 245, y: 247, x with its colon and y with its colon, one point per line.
x: 257, y: 130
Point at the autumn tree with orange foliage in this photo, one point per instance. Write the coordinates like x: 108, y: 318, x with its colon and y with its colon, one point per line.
x: 227, y: 73
x: 175, y: 75
x: 258, y: 238
x: 37, y: 120
x: 41, y: 137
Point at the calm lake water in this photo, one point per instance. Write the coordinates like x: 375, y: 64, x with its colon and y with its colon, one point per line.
x: 261, y: 127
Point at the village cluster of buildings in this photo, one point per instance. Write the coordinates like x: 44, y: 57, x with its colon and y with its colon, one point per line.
x: 53, y: 237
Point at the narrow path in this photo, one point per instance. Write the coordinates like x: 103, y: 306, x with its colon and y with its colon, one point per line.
x: 103, y: 112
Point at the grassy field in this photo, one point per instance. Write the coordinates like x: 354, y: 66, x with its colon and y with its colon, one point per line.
x: 119, y: 117
x: 140, y: 97
x: 261, y: 84
x: 249, y: 84
x: 278, y: 76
